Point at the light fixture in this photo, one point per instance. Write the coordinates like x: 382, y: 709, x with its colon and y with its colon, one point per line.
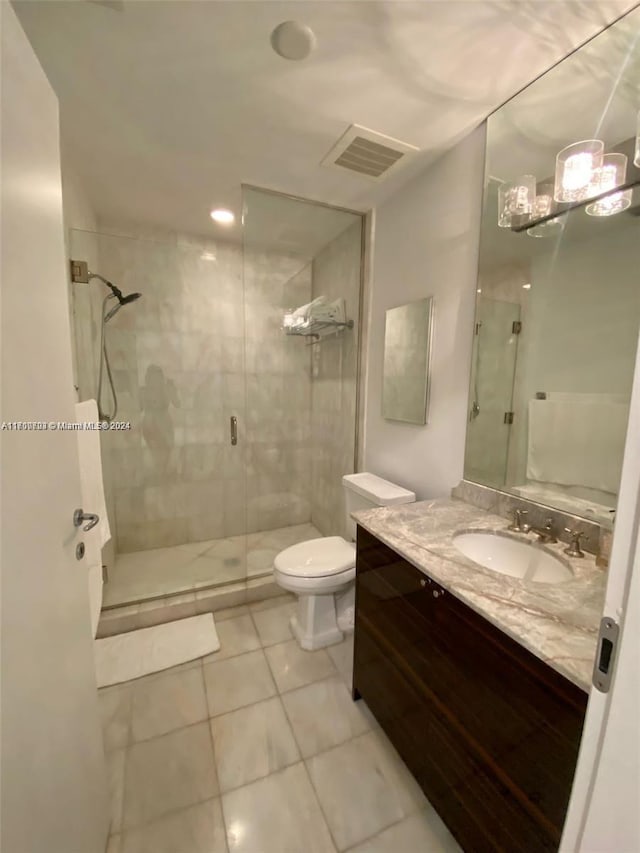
x: 575, y: 167
x: 527, y: 286
x: 636, y: 159
x: 611, y: 174
x: 544, y: 205
x: 515, y: 199
x: 222, y: 216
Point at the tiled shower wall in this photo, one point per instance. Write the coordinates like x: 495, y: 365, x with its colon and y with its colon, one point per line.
x: 178, y: 359
x: 336, y: 272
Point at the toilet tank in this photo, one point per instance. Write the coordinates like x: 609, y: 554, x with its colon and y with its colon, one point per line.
x: 366, y: 491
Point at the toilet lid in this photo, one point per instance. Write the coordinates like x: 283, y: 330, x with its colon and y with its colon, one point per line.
x: 317, y: 558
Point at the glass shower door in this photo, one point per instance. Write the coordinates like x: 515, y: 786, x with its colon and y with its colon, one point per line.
x: 301, y: 391
x: 176, y: 480
x: 491, y: 396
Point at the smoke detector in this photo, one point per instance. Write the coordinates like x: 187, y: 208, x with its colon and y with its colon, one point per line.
x: 293, y: 40
x: 368, y: 153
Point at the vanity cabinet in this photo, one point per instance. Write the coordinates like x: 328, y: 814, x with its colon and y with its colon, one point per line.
x: 490, y: 732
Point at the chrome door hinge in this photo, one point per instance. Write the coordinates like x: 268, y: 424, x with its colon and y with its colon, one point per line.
x: 606, y: 654
x: 516, y: 327
x: 508, y: 417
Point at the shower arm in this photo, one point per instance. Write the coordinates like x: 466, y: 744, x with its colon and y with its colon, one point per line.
x: 115, y: 291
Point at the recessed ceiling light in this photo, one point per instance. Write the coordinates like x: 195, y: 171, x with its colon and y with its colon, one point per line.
x: 222, y: 216
x: 479, y: 290
x: 526, y: 286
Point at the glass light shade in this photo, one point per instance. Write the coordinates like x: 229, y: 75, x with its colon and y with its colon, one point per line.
x: 504, y: 216
x: 610, y: 175
x: 611, y: 204
x: 575, y: 167
x: 516, y: 199
x: 544, y: 205
x: 636, y: 158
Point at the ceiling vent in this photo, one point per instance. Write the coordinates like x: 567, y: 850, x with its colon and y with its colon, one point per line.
x: 370, y: 154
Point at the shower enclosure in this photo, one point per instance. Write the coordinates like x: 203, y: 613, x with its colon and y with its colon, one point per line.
x: 495, y: 348
x: 234, y: 435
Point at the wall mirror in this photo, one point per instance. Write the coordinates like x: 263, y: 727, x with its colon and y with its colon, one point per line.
x: 558, y: 293
x: 407, y: 348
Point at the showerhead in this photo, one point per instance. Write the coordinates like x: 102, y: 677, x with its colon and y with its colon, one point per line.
x: 130, y: 298
x: 116, y: 292
x: 122, y: 300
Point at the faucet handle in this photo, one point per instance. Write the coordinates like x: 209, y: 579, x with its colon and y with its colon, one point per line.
x: 516, y: 525
x: 574, y: 549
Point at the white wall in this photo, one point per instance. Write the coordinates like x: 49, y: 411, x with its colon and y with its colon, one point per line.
x: 78, y: 210
x: 426, y: 244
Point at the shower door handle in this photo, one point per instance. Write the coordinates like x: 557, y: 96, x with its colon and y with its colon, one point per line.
x: 80, y: 516
x: 233, y: 422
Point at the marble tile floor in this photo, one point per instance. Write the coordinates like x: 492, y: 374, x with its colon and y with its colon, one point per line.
x: 141, y: 575
x: 258, y: 748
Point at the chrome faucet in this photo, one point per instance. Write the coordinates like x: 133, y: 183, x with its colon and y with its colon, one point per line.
x: 517, y: 525
x: 574, y: 549
x: 546, y: 534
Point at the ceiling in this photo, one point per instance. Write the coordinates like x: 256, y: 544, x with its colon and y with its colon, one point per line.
x: 168, y: 107
x: 595, y: 93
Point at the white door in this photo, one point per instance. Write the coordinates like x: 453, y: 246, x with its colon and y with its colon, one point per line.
x: 53, y: 779
x: 604, y: 813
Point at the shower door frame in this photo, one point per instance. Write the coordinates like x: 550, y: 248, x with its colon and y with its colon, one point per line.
x: 366, y: 243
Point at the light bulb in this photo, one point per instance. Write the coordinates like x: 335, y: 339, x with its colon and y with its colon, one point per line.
x: 575, y: 167
x: 222, y: 216
x: 610, y: 175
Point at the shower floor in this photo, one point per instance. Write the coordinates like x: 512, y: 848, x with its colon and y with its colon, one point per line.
x: 142, y: 575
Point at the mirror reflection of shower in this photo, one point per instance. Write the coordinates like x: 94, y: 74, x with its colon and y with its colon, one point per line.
x: 108, y: 314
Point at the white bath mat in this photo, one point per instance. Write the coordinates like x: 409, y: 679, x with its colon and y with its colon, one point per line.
x: 126, y: 656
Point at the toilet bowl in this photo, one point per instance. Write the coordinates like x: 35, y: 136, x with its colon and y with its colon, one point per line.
x: 321, y: 572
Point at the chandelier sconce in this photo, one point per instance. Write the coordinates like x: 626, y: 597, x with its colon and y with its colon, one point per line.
x: 611, y: 174
x: 516, y: 200
x: 544, y: 205
x: 584, y: 177
x: 576, y: 166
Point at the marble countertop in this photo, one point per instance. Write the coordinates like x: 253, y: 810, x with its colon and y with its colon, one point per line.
x: 558, y: 623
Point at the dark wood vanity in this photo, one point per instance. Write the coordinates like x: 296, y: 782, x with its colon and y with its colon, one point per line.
x: 489, y: 731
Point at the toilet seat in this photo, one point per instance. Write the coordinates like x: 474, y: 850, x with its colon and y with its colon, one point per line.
x: 317, y: 558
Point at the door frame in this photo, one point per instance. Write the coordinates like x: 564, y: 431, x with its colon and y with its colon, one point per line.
x: 625, y: 559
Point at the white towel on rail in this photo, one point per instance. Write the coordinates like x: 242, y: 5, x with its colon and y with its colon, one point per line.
x: 93, y: 500
x: 91, y: 481
x: 577, y: 443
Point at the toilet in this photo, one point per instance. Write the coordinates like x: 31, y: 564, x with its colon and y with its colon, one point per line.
x: 321, y: 572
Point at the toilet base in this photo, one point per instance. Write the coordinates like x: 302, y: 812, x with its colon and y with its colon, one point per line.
x: 314, y: 625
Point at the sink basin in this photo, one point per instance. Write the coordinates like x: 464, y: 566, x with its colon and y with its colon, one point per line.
x: 511, y: 557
